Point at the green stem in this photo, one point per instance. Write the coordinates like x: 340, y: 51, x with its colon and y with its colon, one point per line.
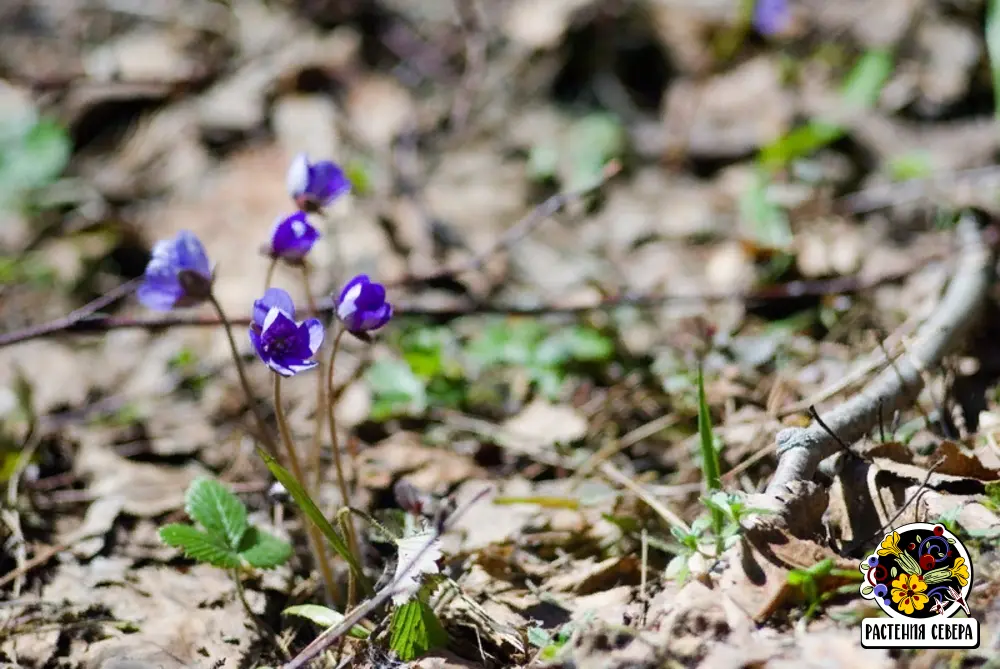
x: 315, y: 541
x: 261, y: 624
x: 317, y: 446
x: 710, y: 459
x: 331, y: 421
x: 270, y: 273
x: 344, y: 518
x: 262, y: 428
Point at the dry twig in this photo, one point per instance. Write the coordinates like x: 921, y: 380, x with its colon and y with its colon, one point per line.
x: 800, y: 450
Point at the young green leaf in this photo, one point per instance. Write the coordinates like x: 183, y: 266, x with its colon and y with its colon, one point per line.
x: 218, y: 510
x: 324, y: 617
x: 415, y: 630
x: 263, y: 550
x: 304, y: 502
x: 709, y: 456
x: 200, y: 546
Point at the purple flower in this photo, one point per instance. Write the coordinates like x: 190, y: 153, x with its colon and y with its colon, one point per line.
x: 362, y: 307
x: 292, y: 237
x: 284, y: 345
x: 314, y: 186
x: 178, y: 274
x: 771, y: 16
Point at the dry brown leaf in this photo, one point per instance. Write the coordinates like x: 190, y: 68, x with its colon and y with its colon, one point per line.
x: 542, y: 425
x: 429, y: 469
x: 585, y: 577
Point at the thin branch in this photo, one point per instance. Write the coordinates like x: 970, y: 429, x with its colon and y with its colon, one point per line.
x: 330, y: 636
x: 793, y: 290
x: 800, y: 450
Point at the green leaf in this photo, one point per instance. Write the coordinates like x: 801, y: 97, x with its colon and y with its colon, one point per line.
x: 993, y: 49
x: 308, y: 507
x: 32, y: 155
x: 218, y: 510
x: 860, y: 90
x: 200, y: 545
x: 264, y: 550
x: 768, y: 222
x: 709, y: 456
x: 415, y: 630
x: 506, y: 342
x: 397, y: 389
x: 593, y: 141
x: 324, y: 617
x: 864, y: 84
x: 575, y: 343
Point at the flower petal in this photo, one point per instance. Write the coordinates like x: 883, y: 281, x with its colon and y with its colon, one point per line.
x: 327, y: 182
x: 316, y: 333
x: 297, y: 178
x: 293, y: 237
x: 159, y: 295
x: 190, y: 254
x: 273, y: 298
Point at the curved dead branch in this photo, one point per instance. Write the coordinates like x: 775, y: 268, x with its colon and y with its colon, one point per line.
x: 800, y: 450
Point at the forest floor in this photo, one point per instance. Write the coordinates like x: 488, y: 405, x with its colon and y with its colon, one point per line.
x: 575, y: 205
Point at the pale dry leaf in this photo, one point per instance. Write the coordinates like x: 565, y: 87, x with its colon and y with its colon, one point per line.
x: 410, y: 548
x: 428, y: 468
x: 542, y: 424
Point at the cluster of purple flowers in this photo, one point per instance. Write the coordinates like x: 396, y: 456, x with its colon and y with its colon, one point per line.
x: 179, y: 275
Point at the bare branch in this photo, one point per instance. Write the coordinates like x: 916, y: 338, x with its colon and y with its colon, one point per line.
x: 800, y: 450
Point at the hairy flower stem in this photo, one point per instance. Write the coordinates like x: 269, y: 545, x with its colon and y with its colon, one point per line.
x: 317, y: 446
x: 338, y: 464
x: 270, y: 273
x: 315, y: 541
x: 347, y: 528
x: 265, y: 433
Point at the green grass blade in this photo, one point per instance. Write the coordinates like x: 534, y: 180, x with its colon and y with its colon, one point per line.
x: 304, y: 502
x: 709, y: 456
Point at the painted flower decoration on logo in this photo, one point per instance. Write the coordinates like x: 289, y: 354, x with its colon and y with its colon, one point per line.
x: 918, y: 571
x: 282, y: 344
x: 908, y: 593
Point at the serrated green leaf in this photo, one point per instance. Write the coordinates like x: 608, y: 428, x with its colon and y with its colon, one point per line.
x: 200, y: 545
x: 415, y: 630
x: 263, y: 550
x: 218, y: 510
x: 308, y: 507
x: 324, y: 617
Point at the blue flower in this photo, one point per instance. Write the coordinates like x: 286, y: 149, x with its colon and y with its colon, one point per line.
x: 178, y: 274
x: 282, y: 344
x: 314, y: 186
x: 362, y: 307
x: 771, y: 16
x: 292, y: 237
